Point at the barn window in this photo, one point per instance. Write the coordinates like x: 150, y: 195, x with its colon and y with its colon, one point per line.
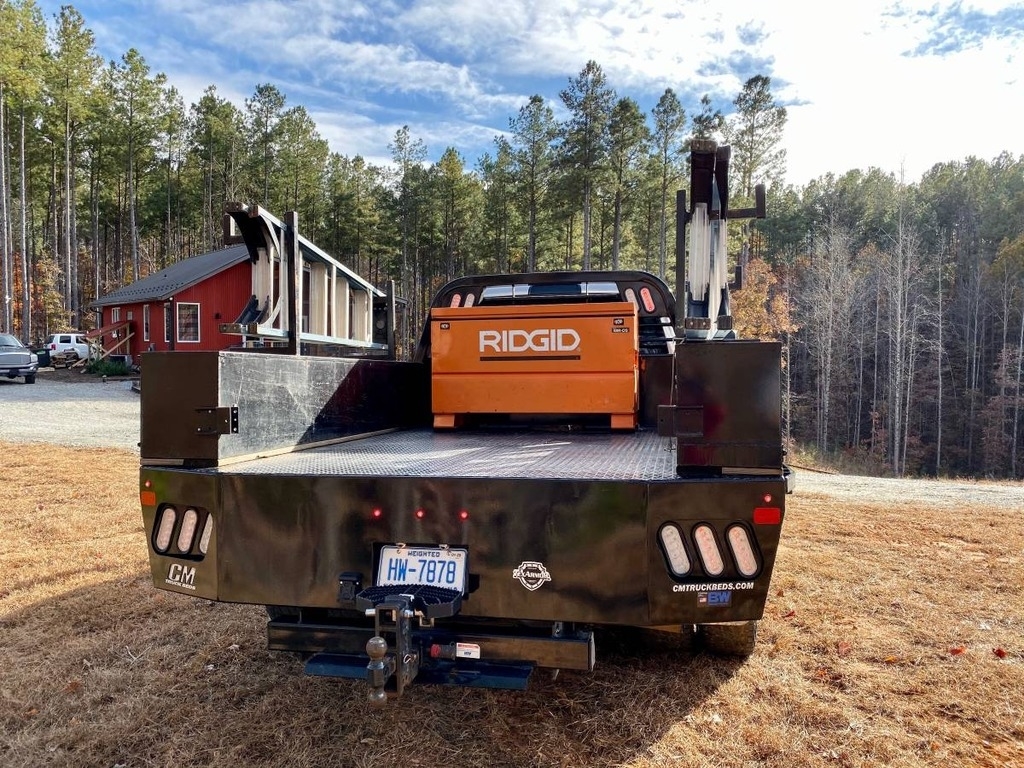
x: 168, y: 322
x: 188, y: 322
x: 145, y: 322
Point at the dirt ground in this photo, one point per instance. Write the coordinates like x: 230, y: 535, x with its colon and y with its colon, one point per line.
x: 894, y: 636
x: 77, y: 375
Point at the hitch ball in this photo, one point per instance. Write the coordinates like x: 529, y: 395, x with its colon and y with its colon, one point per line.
x: 376, y: 648
x: 377, y: 697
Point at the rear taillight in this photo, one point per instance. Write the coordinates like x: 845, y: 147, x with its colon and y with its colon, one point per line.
x: 187, y: 532
x: 767, y: 516
x: 707, y: 547
x: 164, y: 528
x: 742, y: 551
x: 671, y: 539
x: 204, y: 539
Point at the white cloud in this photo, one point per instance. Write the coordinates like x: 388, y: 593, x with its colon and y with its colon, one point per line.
x: 457, y: 71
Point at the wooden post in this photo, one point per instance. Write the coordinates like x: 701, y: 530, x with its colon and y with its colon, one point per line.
x: 294, y: 257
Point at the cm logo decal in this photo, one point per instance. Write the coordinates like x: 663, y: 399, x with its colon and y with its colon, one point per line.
x: 181, y: 576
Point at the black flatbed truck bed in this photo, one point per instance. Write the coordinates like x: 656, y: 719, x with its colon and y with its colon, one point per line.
x: 561, y: 526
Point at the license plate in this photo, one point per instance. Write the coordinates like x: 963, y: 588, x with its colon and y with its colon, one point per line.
x: 432, y: 566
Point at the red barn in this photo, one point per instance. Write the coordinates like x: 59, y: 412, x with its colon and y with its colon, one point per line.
x: 180, y: 307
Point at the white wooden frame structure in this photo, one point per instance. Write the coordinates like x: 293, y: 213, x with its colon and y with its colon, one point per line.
x: 284, y: 266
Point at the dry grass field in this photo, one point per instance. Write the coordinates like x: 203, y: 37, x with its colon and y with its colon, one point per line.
x: 894, y: 637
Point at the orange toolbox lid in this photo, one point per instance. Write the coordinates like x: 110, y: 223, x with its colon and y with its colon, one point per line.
x: 574, y: 338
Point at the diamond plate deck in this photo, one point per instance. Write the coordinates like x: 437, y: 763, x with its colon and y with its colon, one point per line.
x: 639, y: 456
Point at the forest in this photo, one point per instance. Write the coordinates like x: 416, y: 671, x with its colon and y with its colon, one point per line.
x: 900, y: 304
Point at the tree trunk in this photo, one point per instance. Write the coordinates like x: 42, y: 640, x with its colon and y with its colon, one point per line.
x: 1016, y: 396
x: 134, y: 241
x: 6, y: 224
x: 939, y: 353
x: 69, y: 272
x: 663, y: 223
x: 72, y: 224
x: 616, y: 229
x: 586, y: 224
x: 94, y: 220
x: 26, y: 304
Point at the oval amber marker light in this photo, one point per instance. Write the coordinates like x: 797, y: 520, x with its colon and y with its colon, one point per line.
x: 708, y: 548
x: 742, y: 551
x: 165, y: 527
x: 672, y: 543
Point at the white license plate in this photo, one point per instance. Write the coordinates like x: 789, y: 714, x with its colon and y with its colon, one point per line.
x: 433, y: 566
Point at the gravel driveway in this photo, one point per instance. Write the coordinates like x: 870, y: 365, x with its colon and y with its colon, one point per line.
x: 962, y: 494
x: 79, y: 413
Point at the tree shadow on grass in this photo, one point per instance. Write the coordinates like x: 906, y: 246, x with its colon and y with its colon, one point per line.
x: 122, y: 673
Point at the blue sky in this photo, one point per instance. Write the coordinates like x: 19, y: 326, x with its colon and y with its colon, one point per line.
x: 899, y: 84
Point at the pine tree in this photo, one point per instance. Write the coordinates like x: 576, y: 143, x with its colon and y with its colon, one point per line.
x: 71, y: 84
x: 263, y: 114
x: 136, y: 100
x: 755, y: 133
x: 534, y: 131
x: 669, y: 121
x: 628, y: 142
x: 216, y: 142
x: 709, y: 122
x: 589, y: 100
x: 22, y: 48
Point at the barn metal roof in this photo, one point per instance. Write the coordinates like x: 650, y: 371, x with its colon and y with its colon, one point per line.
x: 163, y: 284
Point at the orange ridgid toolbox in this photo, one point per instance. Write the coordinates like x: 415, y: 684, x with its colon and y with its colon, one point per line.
x: 554, y: 359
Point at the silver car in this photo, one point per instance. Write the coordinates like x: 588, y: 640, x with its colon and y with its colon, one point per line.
x: 16, y: 359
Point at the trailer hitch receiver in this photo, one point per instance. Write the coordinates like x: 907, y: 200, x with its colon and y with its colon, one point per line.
x: 391, y: 668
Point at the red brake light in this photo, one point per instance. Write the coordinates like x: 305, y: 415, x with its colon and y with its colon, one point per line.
x: 767, y: 516
x: 420, y: 514
x: 463, y: 515
x: 377, y: 512
x: 648, y: 300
